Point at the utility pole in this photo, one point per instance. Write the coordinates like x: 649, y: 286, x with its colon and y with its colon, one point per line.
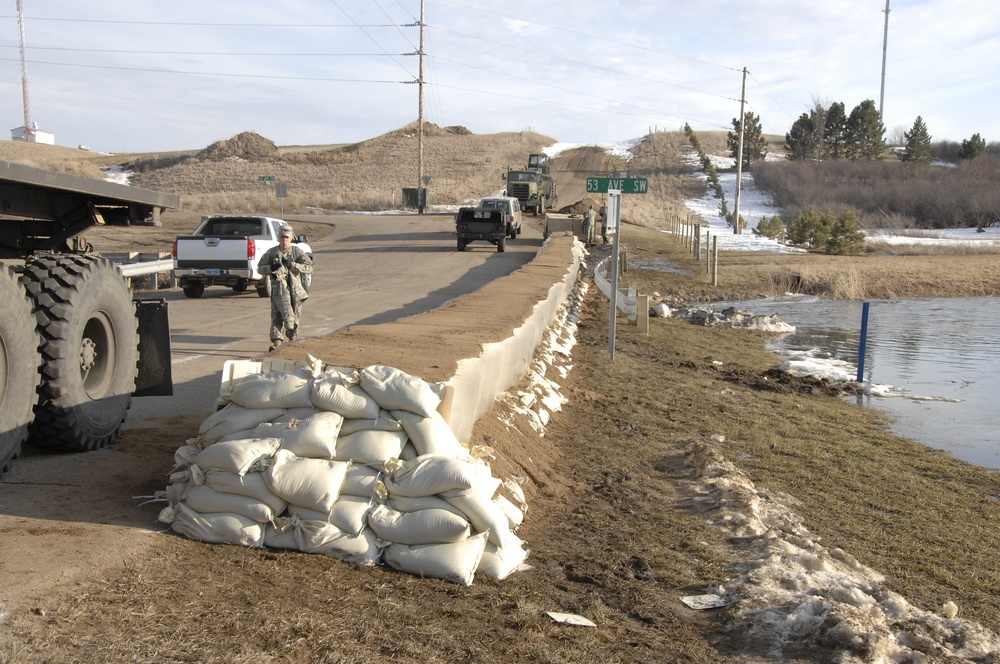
x: 737, y: 230
x: 421, y: 194
x: 29, y: 132
x: 885, y: 43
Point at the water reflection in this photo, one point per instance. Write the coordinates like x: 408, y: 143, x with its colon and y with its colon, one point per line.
x: 934, y: 349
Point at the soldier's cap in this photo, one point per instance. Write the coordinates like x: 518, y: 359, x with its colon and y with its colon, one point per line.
x: 286, y: 231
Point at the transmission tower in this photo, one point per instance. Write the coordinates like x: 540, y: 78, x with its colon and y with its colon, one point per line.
x: 29, y: 132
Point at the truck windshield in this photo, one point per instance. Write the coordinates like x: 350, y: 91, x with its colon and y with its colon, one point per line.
x: 521, y: 176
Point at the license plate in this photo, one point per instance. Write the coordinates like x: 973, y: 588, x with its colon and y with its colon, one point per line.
x: 212, y: 272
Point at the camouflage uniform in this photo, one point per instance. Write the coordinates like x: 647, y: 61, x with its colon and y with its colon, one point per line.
x: 287, y: 291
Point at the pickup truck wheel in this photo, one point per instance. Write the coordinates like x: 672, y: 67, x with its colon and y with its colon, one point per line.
x: 501, y: 244
x: 19, y: 362
x: 241, y: 287
x: 264, y: 287
x: 89, y: 351
x: 194, y: 290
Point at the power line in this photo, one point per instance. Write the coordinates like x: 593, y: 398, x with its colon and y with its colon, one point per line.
x: 212, y: 25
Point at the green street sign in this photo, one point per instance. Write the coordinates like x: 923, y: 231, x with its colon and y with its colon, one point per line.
x: 266, y: 178
x: 624, y: 185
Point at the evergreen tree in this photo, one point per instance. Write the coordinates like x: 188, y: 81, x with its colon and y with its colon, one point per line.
x: 918, y: 143
x: 972, y: 147
x: 754, y: 143
x: 835, y: 131
x: 865, y: 132
x: 801, y: 139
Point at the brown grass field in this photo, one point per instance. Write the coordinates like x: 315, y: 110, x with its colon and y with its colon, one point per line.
x: 614, y: 527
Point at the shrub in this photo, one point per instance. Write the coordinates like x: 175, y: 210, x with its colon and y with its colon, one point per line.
x: 846, y: 236
x: 773, y: 228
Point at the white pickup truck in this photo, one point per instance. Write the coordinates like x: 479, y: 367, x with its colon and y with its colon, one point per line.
x: 225, y: 250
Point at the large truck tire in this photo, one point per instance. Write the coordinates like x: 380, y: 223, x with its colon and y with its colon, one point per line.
x: 89, y: 351
x: 264, y: 287
x: 19, y: 362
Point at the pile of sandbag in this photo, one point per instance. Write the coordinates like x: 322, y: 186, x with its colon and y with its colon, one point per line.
x: 358, y: 465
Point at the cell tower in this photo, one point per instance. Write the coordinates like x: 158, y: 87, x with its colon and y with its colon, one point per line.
x: 29, y: 132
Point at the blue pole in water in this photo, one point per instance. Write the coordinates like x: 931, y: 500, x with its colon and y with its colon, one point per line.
x: 864, y: 341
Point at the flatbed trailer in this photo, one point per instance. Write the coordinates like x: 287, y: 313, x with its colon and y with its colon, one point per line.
x: 74, y: 345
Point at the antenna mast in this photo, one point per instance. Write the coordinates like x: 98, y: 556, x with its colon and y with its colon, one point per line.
x: 29, y: 133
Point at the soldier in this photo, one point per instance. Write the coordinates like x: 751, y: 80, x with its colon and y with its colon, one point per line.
x: 588, y: 226
x: 285, y: 265
x: 603, y: 214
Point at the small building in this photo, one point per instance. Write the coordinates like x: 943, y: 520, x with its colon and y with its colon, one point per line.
x: 36, y: 135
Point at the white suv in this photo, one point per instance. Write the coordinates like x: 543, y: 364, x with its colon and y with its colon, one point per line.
x: 511, y: 208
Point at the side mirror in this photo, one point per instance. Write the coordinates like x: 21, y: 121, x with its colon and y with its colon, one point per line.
x: 301, y: 238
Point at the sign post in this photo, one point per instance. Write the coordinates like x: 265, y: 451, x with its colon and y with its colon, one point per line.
x: 614, y: 217
x: 267, y: 180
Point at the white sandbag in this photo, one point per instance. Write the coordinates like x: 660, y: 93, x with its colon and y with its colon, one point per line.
x: 250, y: 485
x: 433, y: 526
x: 275, y: 389
x: 214, y: 528
x: 455, y: 562
x: 234, y: 418
x: 484, y: 515
x: 430, y: 475
x: 204, y: 499
x: 499, y: 563
x: 431, y: 434
x: 415, y: 504
x: 238, y: 456
x: 312, y: 483
x: 394, y: 389
x: 349, y: 513
x: 340, y: 393
x: 370, y: 446
x: 238, y: 435
x: 298, y: 413
x: 324, y: 538
x: 513, y: 513
x: 409, y: 452
x: 360, y: 481
x: 185, y: 455
x: 312, y: 438
x: 384, y: 422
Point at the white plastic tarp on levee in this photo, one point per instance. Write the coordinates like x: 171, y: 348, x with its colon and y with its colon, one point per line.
x: 479, y: 380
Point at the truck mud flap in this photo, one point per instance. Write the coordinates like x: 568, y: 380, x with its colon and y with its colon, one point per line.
x: 155, y: 378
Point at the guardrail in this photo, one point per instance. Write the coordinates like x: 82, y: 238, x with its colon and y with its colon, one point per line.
x: 137, y: 264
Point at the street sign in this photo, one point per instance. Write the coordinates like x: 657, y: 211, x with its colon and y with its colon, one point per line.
x: 266, y: 178
x: 281, y: 190
x: 624, y: 185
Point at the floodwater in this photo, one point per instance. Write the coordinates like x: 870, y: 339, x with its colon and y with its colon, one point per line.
x: 942, y: 354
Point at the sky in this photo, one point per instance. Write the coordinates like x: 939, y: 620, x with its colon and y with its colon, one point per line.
x: 123, y: 76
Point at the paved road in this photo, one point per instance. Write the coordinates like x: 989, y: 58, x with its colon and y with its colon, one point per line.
x: 369, y: 270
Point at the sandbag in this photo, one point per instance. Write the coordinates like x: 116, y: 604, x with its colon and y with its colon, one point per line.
x: 298, y: 414
x: 360, y: 481
x: 275, y: 389
x: 324, y: 538
x: 370, y: 446
x: 513, y: 513
x: 431, y: 434
x: 431, y: 474
x: 431, y: 526
x: 340, y: 393
x: 238, y: 435
x: 499, y: 563
x: 394, y: 389
x: 384, y: 422
x: 312, y: 483
x: 349, y: 514
x: 214, y: 528
x: 234, y: 418
x: 238, y: 456
x: 484, y: 515
x: 250, y: 485
x: 313, y: 438
x: 455, y: 562
x: 415, y: 504
x: 204, y: 499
